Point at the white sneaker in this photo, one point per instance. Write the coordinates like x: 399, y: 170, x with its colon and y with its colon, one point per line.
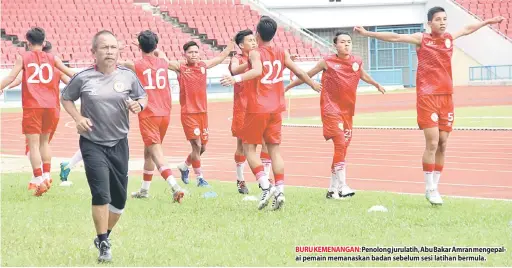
x: 278, y: 201
x: 266, y: 194
x: 141, y: 194
x: 434, y: 197
x: 346, y: 191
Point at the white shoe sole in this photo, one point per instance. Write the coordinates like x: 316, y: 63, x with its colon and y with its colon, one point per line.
x: 265, y: 202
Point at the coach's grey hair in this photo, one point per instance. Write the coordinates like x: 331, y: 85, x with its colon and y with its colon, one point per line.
x: 97, y: 35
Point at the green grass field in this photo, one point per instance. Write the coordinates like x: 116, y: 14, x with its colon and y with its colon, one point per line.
x: 57, y: 229
x: 485, y: 116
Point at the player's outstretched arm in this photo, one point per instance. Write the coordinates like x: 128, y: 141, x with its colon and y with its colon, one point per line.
x: 16, y: 82
x: 414, y: 38
x: 368, y: 79
x: 219, y: 59
x: 469, y: 29
x: 64, y: 78
x: 320, y: 66
x: 128, y: 64
x: 173, y: 65
x: 16, y: 69
x: 63, y: 68
x: 255, y: 71
x: 301, y: 74
x: 236, y: 67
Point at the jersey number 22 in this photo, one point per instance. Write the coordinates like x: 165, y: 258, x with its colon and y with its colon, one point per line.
x: 278, y: 76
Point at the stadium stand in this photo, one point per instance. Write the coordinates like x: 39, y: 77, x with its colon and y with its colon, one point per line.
x: 486, y: 9
x: 70, y: 24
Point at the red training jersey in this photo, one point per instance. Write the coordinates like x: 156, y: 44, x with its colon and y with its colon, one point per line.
x: 239, y: 98
x: 339, y: 84
x: 192, y: 81
x: 265, y: 93
x: 434, y: 75
x: 153, y: 75
x: 38, y: 80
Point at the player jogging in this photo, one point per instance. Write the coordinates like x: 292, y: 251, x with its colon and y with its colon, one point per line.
x: 246, y: 41
x: 154, y: 121
x: 194, y: 118
x: 341, y: 73
x: 434, y: 88
x: 263, y: 84
x: 40, y: 103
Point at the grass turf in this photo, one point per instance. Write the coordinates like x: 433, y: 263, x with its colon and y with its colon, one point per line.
x: 57, y: 229
x: 485, y: 116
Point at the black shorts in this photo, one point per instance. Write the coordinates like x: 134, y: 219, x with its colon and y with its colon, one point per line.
x: 106, y: 169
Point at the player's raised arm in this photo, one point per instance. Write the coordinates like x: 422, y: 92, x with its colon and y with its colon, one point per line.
x: 320, y: 66
x: 174, y: 65
x: 16, y: 82
x: 368, y: 79
x: 63, y: 68
x: 128, y: 64
x: 414, y: 38
x: 236, y: 67
x: 16, y: 69
x: 64, y: 78
x: 219, y: 59
x: 301, y: 74
x: 255, y: 71
x: 469, y: 29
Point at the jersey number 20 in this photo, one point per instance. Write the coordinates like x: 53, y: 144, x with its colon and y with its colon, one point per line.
x: 159, y: 77
x: 37, y: 76
x: 278, y: 76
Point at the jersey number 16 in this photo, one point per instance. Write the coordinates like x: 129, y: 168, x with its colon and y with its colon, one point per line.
x: 159, y: 78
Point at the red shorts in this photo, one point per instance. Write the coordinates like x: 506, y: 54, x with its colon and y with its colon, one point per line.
x: 195, y: 126
x: 153, y: 129
x: 435, y: 111
x: 262, y: 127
x: 237, y: 125
x: 336, y: 125
x: 40, y: 120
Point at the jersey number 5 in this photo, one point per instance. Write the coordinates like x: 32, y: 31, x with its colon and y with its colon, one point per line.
x: 37, y: 76
x: 160, y: 79
x: 278, y: 77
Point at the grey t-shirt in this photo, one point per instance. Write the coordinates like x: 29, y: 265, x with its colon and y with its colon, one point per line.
x: 103, y: 101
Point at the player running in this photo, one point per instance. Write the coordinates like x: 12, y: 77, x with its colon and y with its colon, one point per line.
x: 39, y: 101
x: 263, y: 84
x: 341, y: 73
x: 434, y: 88
x: 154, y: 121
x: 194, y: 117
x: 246, y: 41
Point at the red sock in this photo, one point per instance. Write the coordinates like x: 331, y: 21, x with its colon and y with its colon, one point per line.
x: 165, y: 172
x: 279, y: 179
x: 37, y: 172
x: 46, y: 167
x: 258, y: 171
x: 147, y: 175
x: 239, y: 159
x: 197, y: 167
x: 188, y: 161
x: 428, y: 167
x: 264, y: 157
x: 438, y: 168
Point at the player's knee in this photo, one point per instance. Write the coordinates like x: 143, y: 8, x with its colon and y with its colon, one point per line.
x: 432, y: 145
x: 147, y: 155
x: 203, y: 149
x: 441, y: 147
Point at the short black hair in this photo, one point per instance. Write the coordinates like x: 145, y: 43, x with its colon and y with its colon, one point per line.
x: 239, y: 38
x: 267, y: 28
x: 335, y: 39
x: 47, y: 46
x: 189, y: 44
x: 148, y: 41
x: 35, y: 36
x: 433, y: 11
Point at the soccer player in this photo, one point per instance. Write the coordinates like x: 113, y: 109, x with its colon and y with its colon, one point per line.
x: 194, y: 117
x: 263, y: 84
x: 340, y: 76
x: 246, y: 41
x: 154, y: 121
x: 58, y: 77
x: 39, y: 101
x: 434, y: 88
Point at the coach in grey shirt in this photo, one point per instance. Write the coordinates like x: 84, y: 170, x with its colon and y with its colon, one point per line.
x: 107, y: 91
